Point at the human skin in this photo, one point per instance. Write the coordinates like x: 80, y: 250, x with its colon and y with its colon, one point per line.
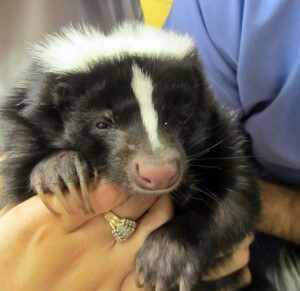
x: 280, y: 217
x: 40, y: 251
x: 280, y: 211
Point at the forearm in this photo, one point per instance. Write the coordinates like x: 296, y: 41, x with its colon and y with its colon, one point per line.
x: 280, y: 211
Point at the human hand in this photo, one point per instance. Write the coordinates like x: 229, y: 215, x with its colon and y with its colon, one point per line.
x: 274, y: 221
x: 39, y: 251
x: 230, y: 263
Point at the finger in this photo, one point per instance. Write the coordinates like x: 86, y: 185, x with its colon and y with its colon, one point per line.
x: 89, y: 227
x: 122, y: 254
x: 237, y: 261
x: 105, y: 197
x: 244, y: 243
x: 248, y: 240
x: 245, y: 277
x: 159, y: 213
x: 155, y: 210
x: 34, y: 213
x: 134, y: 206
x: 131, y: 208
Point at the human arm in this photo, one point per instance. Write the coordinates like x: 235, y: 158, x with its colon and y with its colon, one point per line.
x: 281, y: 211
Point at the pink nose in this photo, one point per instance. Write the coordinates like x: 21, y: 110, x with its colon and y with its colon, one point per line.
x: 155, y: 177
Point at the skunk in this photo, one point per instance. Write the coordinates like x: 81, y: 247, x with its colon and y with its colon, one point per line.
x: 134, y: 106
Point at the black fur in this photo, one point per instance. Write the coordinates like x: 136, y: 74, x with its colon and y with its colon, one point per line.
x: 55, y: 117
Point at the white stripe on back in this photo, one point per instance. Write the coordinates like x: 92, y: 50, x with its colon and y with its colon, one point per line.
x: 142, y: 87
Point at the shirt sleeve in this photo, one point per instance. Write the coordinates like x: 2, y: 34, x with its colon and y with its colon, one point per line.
x: 250, y: 53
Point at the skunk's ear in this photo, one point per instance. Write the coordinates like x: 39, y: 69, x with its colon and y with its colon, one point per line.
x: 62, y: 93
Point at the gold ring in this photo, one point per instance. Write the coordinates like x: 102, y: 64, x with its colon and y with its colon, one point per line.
x: 122, y: 228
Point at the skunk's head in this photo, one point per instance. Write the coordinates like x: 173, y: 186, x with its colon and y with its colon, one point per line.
x: 134, y: 103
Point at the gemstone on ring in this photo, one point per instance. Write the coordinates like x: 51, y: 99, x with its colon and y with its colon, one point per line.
x: 122, y: 228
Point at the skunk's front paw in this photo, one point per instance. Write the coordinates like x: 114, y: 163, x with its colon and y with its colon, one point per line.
x: 166, y: 261
x: 63, y: 170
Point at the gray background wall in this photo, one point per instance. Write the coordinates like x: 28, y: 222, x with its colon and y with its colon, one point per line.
x: 24, y: 22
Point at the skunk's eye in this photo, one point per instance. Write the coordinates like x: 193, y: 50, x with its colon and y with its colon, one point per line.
x: 102, y: 125
x: 105, y: 123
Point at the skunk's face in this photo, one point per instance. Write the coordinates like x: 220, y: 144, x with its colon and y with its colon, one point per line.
x: 134, y: 105
x: 132, y: 120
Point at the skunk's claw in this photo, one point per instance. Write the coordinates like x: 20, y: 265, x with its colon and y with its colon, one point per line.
x: 86, y: 196
x: 41, y: 194
x: 147, y: 286
x: 62, y: 199
x: 146, y: 283
x: 139, y: 280
x: 80, y: 169
x: 76, y: 197
x: 59, y: 171
x: 161, y: 287
x: 96, y: 178
x: 184, y: 286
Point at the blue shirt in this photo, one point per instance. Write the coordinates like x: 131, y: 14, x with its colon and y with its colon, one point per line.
x: 250, y: 50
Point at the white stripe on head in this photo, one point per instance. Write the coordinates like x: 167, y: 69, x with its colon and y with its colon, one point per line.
x: 142, y: 87
x: 77, y: 49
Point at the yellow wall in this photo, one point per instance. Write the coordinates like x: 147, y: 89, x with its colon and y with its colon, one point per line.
x: 156, y: 11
